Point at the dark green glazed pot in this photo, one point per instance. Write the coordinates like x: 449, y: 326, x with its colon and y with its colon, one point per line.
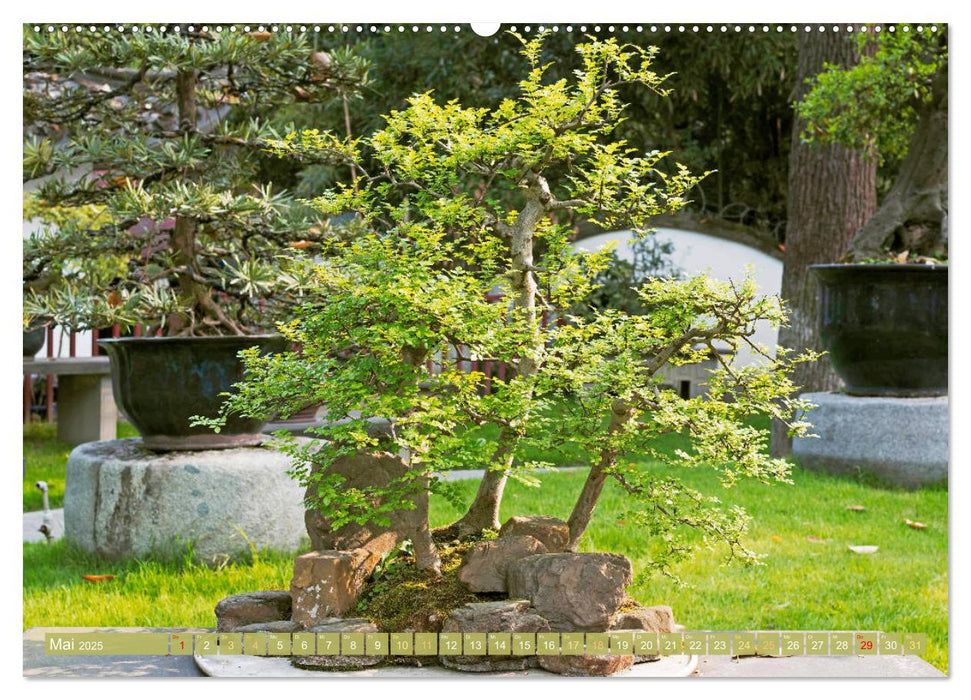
x: 885, y: 327
x: 34, y: 340
x: 160, y: 383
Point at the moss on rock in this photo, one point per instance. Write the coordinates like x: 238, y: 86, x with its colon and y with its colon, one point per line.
x: 400, y: 597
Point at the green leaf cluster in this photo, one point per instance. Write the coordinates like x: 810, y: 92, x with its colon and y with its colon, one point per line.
x: 873, y: 105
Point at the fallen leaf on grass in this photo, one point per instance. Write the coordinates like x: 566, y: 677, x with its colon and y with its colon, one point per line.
x: 864, y: 548
x: 97, y: 578
x: 916, y: 525
x: 858, y: 509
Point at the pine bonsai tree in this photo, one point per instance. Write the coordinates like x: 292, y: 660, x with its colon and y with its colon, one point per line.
x: 455, y: 258
x: 149, y: 142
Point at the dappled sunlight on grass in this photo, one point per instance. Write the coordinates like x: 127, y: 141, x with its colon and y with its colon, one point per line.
x: 172, y: 593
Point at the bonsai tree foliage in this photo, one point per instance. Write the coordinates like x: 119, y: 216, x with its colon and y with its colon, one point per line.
x: 651, y: 258
x: 607, y: 373
x: 455, y: 257
x: 149, y: 144
x: 894, y: 105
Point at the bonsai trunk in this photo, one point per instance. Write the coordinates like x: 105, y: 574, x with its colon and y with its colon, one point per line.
x: 426, y: 553
x: 587, y: 500
x: 913, y: 216
x: 483, y: 514
x: 196, y: 295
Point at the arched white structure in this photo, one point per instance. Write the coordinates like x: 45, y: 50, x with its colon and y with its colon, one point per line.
x: 697, y: 253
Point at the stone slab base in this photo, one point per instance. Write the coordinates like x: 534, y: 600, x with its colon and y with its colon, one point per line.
x: 817, y: 667
x: 269, y: 667
x: 666, y: 667
x: 39, y: 664
x: 122, y: 500
x: 903, y: 441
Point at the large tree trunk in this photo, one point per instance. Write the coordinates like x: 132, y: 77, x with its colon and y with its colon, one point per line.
x: 832, y: 193
x: 913, y: 215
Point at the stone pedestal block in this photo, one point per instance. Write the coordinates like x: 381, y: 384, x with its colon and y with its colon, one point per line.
x: 123, y: 500
x: 575, y: 592
x: 327, y: 584
x: 552, y: 532
x: 903, y: 441
x: 85, y: 409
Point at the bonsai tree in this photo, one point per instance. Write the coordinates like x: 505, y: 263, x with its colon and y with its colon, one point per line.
x: 893, y: 104
x: 149, y: 146
x: 456, y: 258
x: 607, y: 371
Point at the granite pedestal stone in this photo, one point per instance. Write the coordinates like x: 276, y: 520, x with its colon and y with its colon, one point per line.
x: 903, y: 441
x: 123, y: 500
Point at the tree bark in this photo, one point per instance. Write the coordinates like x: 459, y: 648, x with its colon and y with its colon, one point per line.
x: 185, y: 96
x: 590, y: 493
x: 184, y: 235
x: 426, y: 553
x: 483, y: 514
x: 197, y: 296
x: 832, y: 193
x: 918, y: 198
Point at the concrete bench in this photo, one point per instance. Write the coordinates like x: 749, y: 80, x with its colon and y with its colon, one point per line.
x: 86, y: 410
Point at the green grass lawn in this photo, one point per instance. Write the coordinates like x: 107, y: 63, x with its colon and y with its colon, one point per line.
x: 173, y: 593
x: 803, y: 584
x: 809, y: 580
x: 45, y: 459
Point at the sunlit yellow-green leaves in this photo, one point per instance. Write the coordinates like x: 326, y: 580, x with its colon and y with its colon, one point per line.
x: 411, y: 318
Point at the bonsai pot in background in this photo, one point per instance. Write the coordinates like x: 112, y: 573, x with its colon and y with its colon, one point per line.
x: 34, y: 340
x: 160, y: 383
x: 885, y: 327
